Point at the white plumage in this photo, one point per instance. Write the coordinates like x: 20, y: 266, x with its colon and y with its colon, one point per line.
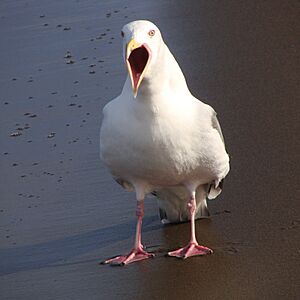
x: 156, y: 137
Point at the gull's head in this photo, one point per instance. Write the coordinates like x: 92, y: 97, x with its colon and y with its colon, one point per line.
x: 141, y: 42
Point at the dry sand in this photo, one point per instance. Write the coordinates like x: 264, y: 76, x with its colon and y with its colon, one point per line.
x: 60, y: 211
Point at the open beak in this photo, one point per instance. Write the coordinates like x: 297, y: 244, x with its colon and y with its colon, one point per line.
x: 137, y: 59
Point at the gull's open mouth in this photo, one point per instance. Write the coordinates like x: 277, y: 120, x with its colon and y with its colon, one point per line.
x: 138, y: 60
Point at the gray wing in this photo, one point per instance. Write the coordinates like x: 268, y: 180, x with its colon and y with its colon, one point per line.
x: 213, y: 190
x: 215, y: 124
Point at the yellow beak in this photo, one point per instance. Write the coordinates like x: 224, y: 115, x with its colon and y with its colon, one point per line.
x: 133, y: 44
x: 136, y: 64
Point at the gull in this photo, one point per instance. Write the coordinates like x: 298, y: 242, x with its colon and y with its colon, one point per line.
x: 157, y: 138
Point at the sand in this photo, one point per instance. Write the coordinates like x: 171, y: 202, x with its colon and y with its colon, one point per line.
x: 60, y: 211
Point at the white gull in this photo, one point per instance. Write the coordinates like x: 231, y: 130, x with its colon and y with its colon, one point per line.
x: 156, y: 137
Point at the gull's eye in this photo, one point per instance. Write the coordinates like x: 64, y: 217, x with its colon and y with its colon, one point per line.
x: 151, y: 32
x: 122, y: 34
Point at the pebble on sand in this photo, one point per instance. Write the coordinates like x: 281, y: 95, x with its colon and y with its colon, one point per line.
x: 51, y: 135
x: 16, y: 133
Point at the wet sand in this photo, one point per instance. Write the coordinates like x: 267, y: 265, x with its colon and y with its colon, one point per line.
x: 60, y: 211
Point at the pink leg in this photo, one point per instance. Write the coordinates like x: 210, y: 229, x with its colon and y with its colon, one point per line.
x: 192, y: 248
x: 138, y: 252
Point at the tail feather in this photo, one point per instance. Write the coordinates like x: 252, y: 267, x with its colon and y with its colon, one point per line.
x: 215, y: 189
x: 202, y: 210
x: 173, y: 204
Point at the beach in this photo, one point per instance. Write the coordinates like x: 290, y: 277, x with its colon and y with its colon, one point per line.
x: 61, y: 213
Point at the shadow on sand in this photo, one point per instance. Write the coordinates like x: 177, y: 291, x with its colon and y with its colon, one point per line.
x: 31, y: 257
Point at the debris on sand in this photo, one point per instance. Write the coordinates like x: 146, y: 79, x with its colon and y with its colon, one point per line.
x: 51, y: 135
x: 70, y: 62
x: 68, y: 55
x: 15, y: 134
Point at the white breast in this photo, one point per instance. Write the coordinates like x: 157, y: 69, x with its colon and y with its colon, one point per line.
x: 161, y: 145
